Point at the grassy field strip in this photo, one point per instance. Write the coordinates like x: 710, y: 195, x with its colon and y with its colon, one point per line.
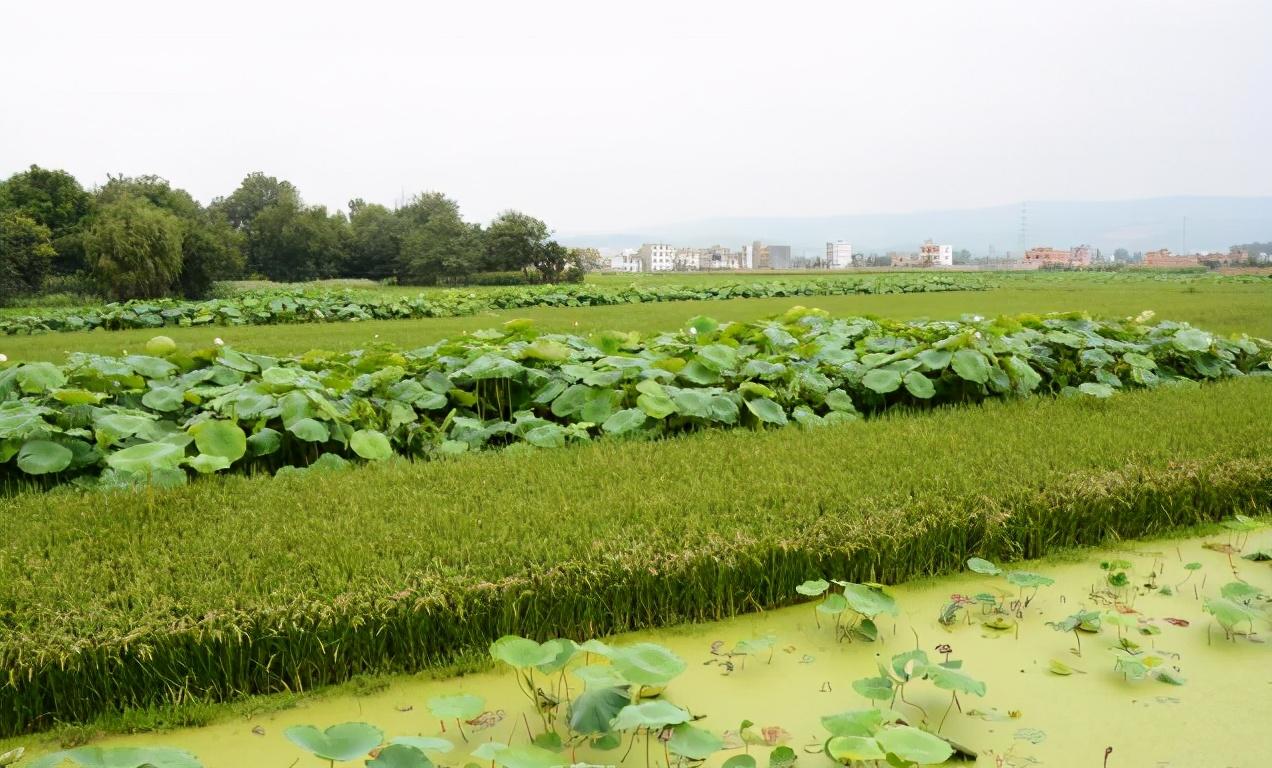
x: 1221, y: 307
x: 248, y: 585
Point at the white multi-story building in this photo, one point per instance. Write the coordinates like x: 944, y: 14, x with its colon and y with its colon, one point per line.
x: 657, y: 257
x: 625, y: 262
x: 839, y: 255
x: 937, y: 255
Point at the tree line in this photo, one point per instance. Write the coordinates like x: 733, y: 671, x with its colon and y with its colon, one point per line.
x: 140, y: 237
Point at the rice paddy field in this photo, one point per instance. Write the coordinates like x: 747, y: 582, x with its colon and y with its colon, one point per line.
x: 234, y: 595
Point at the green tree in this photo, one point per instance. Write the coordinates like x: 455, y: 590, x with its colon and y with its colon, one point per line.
x: 375, y: 246
x: 444, y: 247
x: 26, y: 253
x: 211, y: 249
x: 55, y: 200
x: 293, y: 243
x: 517, y: 241
x: 256, y: 193
x: 134, y: 249
x: 1121, y: 256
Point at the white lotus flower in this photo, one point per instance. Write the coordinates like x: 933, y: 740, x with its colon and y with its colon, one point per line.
x: 977, y: 318
x: 693, y: 331
x: 977, y: 334
x: 217, y: 341
x: 4, y: 358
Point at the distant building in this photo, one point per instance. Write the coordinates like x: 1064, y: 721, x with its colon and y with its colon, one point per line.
x: 1164, y: 258
x: 898, y: 259
x: 768, y: 256
x: 1044, y: 256
x: 657, y: 257
x: 625, y: 262
x: 839, y: 255
x: 935, y: 255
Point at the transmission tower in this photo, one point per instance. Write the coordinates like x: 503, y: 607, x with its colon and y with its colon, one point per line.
x: 1024, y: 228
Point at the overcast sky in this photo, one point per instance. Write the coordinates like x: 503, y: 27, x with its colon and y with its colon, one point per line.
x: 605, y: 116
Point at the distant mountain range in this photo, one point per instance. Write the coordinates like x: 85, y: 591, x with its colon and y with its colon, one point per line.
x: 1213, y: 224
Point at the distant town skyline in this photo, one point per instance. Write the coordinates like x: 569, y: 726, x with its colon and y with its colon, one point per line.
x: 596, y: 117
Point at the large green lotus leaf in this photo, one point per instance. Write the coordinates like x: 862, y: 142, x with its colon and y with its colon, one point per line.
x: 919, y: 385
x: 718, y: 357
x: 839, y: 400
x: 563, y: 651
x: 571, y: 401
x: 766, y: 410
x: 647, y: 664
x: 490, y: 366
x: 206, y: 463
x: 592, y: 711
x: 869, y: 601
x: 972, y: 365
x: 371, y: 445
x: 599, y: 676
x: 37, y: 378
x: 1023, y: 374
x: 624, y: 421
x: 658, y: 406
x: 529, y: 756
x: 1137, y: 360
x: 164, y: 399
x: 953, y: 680
x: 521, y: 652
x: 400, y: 756
x: 934, y: 359
x: 425, y: 743
x: 698, y: 373
x: 1096, y: 390
x: 650, y: 714
x: 909, y: 743
x: 692, y: 402
x: 151, y: 367
x: 980, y: 565
x: 873, y: 688
x: 78, y: 396
x: 220, y: 438
x: 310, y: 430
x: 1192, y: 340
x: 160, y: 346
x: 264, y: 442
x: 1029, y: 579
x: 145, y: 457
x: 858, y: 722
x: 694, y: 743
x: 546, y: 436
x: 813, y: 588
x: 234, y: 361
x: 456, y: 705
x: 882, y: 380
x: 833, y: 605
x: 1228, y: 612
x: 346, y: 741
x: 740, y: 761
x: 43, y: 457
x: 846, y: 749
x: 110, y: 428
x: 119, y: 757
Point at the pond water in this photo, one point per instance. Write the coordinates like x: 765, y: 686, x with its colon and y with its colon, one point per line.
x: 1029, y: 715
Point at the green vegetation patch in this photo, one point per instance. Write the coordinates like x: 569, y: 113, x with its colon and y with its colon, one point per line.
x: 214, y: 590
x: 159, y: 416
x: 278, y: 307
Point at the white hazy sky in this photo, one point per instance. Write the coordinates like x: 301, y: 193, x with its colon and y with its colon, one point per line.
x: 607, y: 116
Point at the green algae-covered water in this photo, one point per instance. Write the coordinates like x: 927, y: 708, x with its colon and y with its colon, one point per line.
x: 1204, y: 701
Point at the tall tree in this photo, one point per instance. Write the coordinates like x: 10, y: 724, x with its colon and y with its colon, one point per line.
x: 375, y: 247
x: 516, y: 241
x: 445, y: 246
x: 134, y: 249
x: 256, y: 193
x: 26, y: 252
x: 293, y: 243
x: 211, y: 249
x: 55, y: 200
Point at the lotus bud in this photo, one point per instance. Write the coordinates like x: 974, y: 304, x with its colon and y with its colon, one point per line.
x: 4, y: 358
